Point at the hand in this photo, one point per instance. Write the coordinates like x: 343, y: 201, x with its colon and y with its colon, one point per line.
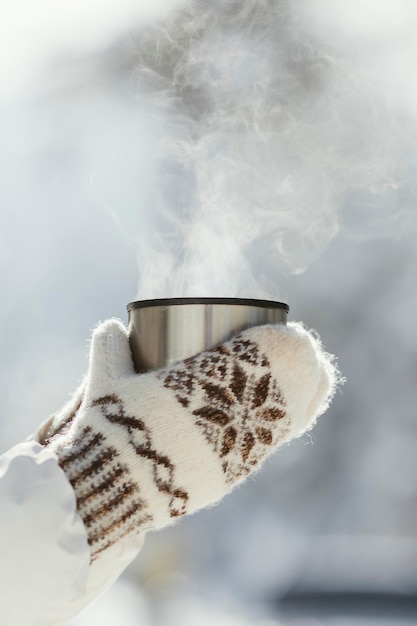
x: 142, y: 450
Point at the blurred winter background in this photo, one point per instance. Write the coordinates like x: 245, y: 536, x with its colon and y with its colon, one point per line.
x: 228, y: 148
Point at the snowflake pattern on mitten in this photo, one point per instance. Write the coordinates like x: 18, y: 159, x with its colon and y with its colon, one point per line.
x: 235, y: 401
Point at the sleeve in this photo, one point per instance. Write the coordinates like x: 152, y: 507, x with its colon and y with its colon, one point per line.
x: 45, y: 572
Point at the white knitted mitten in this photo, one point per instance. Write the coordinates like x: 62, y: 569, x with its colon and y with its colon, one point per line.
x: 143, y: 450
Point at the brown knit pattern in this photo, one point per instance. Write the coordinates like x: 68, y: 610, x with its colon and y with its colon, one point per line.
x: 110, y: 503
x: 140, y: 440
x: 235, y: 401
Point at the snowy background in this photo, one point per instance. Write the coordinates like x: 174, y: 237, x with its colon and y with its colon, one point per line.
x: 327, y: 532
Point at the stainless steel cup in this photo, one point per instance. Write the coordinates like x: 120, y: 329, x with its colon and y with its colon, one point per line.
x: 167, y: 330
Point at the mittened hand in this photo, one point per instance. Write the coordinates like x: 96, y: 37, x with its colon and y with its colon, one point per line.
x: 144, y: 450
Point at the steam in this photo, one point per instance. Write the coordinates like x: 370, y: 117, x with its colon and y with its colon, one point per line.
x: 283, y: 122
x: 34, y: 36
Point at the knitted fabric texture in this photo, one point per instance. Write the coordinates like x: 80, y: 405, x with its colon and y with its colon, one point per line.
x: 141, y: 451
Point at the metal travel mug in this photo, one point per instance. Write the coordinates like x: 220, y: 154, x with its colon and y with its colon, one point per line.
x: 163, y: 331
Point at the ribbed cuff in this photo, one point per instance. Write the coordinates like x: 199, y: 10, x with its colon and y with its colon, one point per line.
x: 108, y: 500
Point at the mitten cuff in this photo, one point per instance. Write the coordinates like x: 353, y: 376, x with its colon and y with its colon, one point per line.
x: 108, y: 500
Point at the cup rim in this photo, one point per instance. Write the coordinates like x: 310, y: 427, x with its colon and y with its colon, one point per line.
x: 253, y: 302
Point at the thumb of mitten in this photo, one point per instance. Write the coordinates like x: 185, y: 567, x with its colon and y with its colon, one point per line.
x: 110, y: 356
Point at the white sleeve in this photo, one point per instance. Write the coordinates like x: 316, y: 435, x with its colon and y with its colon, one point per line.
x: 45, y: 572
